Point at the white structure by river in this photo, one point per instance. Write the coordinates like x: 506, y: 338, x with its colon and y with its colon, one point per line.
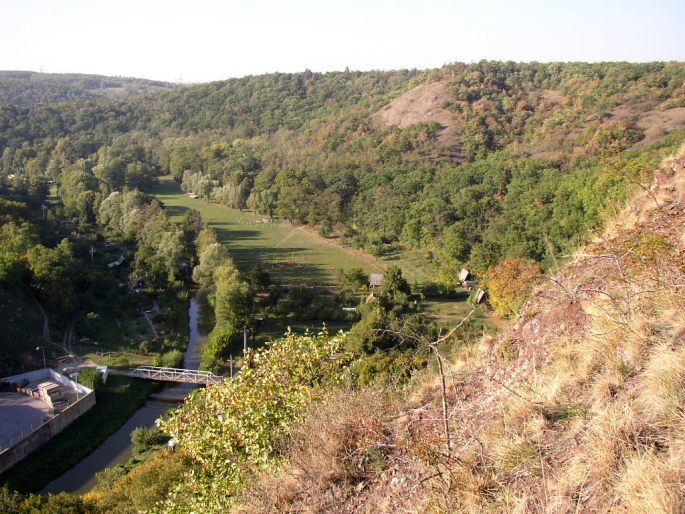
x: 117, y: 448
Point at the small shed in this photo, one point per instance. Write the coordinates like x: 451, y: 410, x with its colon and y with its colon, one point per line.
x: 480, y: 295
x: 469, y: 284
x: 375, y: 279
x: 464, y: 275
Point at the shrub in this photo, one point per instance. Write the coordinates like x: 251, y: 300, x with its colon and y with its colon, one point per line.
x: 231, y: 428
x: 9, y: 500
x: 143, y: 487
x: 217, y: 347
x: 171, y: 359
x: 145, y: 438
x: 90, y: 377
x: 510, y: 284
x: 121, y: 361
x: 356, y: 278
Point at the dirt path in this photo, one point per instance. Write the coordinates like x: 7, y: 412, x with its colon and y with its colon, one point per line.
x: 285, y: 238
x: 152, y: 325
x: 369, y: 259
x: 46, y: 324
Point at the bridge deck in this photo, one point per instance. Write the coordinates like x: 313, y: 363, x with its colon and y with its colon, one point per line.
x: 187, y: 376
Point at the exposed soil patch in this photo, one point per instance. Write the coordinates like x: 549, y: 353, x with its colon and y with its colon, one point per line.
x: 554, y: 97
x: 655, y: 122
x: 424, y: 103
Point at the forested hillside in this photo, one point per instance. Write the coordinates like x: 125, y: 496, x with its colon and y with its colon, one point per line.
x: 28, y: 87
x: 505, y: 168
x: 536, y: 153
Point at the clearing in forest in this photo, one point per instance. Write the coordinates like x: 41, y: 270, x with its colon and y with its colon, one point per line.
x: 292, y: 255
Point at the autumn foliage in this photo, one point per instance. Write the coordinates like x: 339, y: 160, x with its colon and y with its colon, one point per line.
x: 510, y: 284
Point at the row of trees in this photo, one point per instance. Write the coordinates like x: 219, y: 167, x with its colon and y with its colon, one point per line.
x: 227, y: 293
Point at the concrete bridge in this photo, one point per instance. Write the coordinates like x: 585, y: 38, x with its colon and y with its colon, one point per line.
x: 186, y: 376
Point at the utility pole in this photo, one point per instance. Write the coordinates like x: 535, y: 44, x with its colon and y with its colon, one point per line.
x: 230, y: 360
x: 244, y: 339
x: 92, y: 251
x: 45, y: 367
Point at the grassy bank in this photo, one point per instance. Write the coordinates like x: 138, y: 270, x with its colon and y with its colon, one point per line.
x: 116, y: 403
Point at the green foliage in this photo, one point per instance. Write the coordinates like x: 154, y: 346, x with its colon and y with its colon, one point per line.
x: 145, y: 438
x: 30, y: 87
x: 221, y: 342
x: 388, y: 367
x: 49, y: 504
x: 10, y: 501
x: 395, y: 288
x: 53, y: 271
x: 171, y: 359
x: 369, y: 334
x: 90, y: 377
x: 234, y: 427
x: 143, y: 488
x: 258, y: 278
x: 232, y: 299
x: 356, y: 278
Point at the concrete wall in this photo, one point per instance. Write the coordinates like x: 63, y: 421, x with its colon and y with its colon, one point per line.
x: 48, y: 374
x: 47, y: 430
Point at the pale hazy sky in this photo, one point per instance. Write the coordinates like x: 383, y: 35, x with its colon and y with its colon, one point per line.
x: 204, y: 40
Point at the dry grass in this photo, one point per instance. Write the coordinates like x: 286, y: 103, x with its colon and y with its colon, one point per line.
x: 650, y: 483
x: 343, y: 445
x: 578, y: 406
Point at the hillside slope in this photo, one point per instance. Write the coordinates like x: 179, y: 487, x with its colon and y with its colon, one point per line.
x: 29, y: 87
x: 423, y: 103
x: 577, y: 407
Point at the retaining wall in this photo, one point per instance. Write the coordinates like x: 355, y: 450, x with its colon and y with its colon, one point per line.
x: 51, y: 428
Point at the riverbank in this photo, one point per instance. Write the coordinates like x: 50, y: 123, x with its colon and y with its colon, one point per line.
x: 118, y: 448
x: 117, y: 401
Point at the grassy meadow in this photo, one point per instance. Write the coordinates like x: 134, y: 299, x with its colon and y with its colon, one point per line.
x: 292, y: 255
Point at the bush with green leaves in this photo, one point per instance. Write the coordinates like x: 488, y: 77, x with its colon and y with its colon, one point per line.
x: 356, y: 278
x: 170, y: 359
x: 232, y: 429
x: 145, y: 438
x: 90, y: 377
x: 222, y: 341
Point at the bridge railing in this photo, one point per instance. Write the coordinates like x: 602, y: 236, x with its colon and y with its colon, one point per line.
x: 190, y: 376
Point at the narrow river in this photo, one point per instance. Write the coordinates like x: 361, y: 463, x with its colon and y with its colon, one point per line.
x: 117, y: 448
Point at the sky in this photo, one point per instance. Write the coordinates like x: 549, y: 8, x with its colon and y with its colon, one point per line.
x: 204, y: 40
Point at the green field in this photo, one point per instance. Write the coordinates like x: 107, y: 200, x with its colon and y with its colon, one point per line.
x: 292, y: 255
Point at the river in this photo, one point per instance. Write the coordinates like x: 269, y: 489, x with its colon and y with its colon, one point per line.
x: 118, y: 448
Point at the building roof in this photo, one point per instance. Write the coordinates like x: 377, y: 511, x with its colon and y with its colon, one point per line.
x: 375, y: 279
